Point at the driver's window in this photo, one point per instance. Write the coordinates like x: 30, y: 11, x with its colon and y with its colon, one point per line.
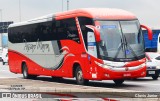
x: 85, y: 38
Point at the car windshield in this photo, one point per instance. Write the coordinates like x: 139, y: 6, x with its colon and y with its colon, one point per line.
x: 121, y: 40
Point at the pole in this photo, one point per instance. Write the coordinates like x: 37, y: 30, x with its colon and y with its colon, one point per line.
x: 1, y: 14
x: 20, y: 10
x: 62, y: 5
x: 67, y: 5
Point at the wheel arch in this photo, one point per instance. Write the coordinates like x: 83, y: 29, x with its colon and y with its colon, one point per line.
x: 75, y: 65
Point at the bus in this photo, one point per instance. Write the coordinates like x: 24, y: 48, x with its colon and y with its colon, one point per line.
x: 86, y: 44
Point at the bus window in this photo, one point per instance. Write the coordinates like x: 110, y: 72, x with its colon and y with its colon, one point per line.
x: 83, y: 21
x: 66, y: 29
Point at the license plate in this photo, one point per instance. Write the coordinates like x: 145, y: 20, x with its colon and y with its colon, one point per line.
x: 151, y: 72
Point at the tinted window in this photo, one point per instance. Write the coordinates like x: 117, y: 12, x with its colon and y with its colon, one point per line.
x: 66, y: 29
x: 83, y: 21
x: 45, y: 31
x: 31, y: 33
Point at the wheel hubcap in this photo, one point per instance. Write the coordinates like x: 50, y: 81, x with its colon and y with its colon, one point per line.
x: 25, y: 72
x: 80, y: 76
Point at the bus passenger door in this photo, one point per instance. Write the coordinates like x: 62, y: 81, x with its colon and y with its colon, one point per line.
x: 92, y: 53
x: 91, y: 50
x: 91, y: 44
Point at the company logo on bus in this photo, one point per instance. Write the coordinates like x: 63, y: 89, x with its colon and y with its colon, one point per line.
x: 126, y: 68
x: 128, y: 52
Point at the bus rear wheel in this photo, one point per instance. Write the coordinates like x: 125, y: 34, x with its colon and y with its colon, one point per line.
x: 79, y: 77
x: 25, y: 73
x: 119, y: 81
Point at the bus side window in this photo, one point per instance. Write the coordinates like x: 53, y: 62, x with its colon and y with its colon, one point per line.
x: 83, y: 21
x: 66, y: 29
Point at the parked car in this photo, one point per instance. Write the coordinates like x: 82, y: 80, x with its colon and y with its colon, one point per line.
x: 153, y: 64
x: 4, y: 56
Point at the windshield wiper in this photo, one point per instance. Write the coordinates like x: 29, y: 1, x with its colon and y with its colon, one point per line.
x: 128, y: 46
x: 122, y: 45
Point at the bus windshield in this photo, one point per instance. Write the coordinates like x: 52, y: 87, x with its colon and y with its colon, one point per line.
x: 121, y: 41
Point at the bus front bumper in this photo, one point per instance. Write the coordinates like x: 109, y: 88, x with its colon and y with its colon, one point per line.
x: 118, y: 73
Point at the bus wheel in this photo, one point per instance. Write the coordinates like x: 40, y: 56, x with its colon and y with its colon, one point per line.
x: 155, y: 77
x: 79, y: 77
x: 25, y: 72
x: 118, y: 82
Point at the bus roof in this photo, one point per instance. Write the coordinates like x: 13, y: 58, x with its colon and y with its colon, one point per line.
x: 96, y: 13
x: 48, y: 17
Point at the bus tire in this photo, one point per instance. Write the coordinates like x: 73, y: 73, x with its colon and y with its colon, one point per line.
x: 79, y: 77
x: 154, y: 77
x: 25, y: 72
x: 119, y: 81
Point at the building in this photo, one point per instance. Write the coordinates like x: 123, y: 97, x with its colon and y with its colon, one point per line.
x: 4, y: 33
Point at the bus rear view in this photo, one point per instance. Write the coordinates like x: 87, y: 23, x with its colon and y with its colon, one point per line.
x: 88, y: 44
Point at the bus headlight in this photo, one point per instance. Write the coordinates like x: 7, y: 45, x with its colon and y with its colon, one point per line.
x: 118, y: 68
x: 143, y: 64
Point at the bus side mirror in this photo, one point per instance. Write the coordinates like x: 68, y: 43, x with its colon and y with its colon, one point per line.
x: 96, y: 32
x: 150, y: 33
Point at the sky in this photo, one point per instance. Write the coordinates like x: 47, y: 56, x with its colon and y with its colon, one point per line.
x: 147, y: 11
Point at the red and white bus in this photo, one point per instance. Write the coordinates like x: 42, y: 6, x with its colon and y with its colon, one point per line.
x: 88, y: 44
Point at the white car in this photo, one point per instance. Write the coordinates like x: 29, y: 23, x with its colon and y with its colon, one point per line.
x: 4, y: 56
x: 153, y: 64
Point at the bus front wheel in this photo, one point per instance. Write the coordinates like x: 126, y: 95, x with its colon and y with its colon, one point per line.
x: 118, y: 82
x: 79, y: 77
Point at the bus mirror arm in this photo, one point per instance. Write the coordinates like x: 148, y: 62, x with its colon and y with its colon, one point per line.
x: 96, y: 32
x: 150, y: 33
